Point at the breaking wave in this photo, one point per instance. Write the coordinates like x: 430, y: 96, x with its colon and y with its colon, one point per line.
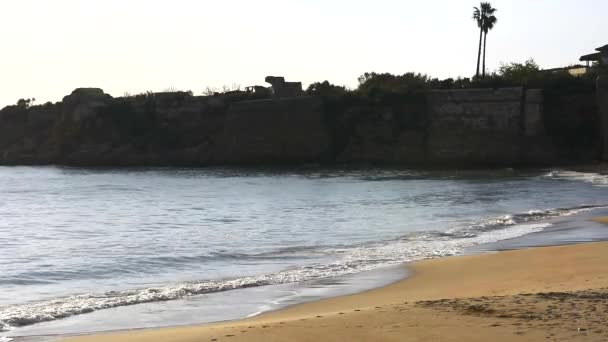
x: 348, y: 260
x: 587, y: 177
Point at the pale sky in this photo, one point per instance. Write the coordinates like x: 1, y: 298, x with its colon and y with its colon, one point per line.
x: 50, y: 47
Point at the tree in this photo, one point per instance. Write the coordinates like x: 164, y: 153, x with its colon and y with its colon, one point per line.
x: 325, y: 89
x: 374, y: 83
x: 483, y: 17
x: 478, y: 17
x: 25, y: 103
x: 488, y: 24
x: 520, y: 73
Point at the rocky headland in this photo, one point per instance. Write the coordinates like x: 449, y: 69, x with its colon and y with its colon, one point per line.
x: 511, y: 126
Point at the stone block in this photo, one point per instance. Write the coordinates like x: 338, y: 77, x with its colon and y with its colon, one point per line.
x: 279, y: 130
x: 477, y: 95
x: 475, y: 126
x: 533, y: 113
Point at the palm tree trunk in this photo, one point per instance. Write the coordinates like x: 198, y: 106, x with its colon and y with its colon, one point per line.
x: 485, y: 36
x: 479, y: 51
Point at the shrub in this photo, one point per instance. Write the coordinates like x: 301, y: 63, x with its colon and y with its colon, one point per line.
x: 326, y: 89
x: 371, y: 83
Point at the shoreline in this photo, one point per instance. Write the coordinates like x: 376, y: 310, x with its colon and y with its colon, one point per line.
x: 492, y: 230
x: 431, y: 301
x: 603, y: 219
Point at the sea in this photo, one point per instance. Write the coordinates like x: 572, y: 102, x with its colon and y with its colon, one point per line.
x: 88, y: 250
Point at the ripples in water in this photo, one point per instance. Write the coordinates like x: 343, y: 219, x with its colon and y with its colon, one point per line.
x: 80, y: 240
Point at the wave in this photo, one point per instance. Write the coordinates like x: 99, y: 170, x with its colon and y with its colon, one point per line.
x: 514, y: 219
x: 137, y: 265
x: 349, y: 260
x: 597, y: 179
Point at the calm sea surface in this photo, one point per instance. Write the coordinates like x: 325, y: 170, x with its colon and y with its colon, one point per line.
x: 147, y: 243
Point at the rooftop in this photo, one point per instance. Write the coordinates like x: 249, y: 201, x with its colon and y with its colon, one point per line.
x: 592, y: 57
x: 603, y: 48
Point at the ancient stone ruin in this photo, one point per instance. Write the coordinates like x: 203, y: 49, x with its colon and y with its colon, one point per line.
x: 282, y: 89
x: 84, y: 103
x: 259, y: 90
x: 506, y: 126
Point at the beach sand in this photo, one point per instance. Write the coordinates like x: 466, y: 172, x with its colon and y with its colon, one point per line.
x: 539, y: 294
x: 603, y: 219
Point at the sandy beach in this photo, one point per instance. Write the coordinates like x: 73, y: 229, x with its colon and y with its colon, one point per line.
x: 539, y: 294
x: 603, y: 219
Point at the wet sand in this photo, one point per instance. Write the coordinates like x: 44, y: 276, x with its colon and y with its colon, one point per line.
x: 603, y: 219
x: 538, y: 294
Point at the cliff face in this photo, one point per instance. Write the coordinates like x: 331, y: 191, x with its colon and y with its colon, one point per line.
x: 26, y: 134
x: 377, y: 133
x: 464, y: 127
x: 476, y: 125
x: 291, y: 130
x: 602, y: 97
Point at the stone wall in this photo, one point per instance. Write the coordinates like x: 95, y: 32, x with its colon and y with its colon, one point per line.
x: 476, y: 127
x: 571, y: 122
x: 479, y: 126
x: 533, y: 113
x: 383, y: 134
x: 274, y: 131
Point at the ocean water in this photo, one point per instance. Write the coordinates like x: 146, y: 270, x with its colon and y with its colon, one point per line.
x: 101, y: 249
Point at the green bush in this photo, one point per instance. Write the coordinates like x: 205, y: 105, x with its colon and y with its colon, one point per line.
x: 326, y: 89
x: 520, y: 73
x: 373, y: 83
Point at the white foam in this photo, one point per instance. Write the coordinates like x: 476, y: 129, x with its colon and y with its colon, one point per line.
x: 587, y: 177
x: 349, y: 260
x: 408, y: 250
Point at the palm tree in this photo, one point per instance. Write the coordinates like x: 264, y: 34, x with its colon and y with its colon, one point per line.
x: 488, y: 24
x: 478, y: 17
x: 485, y: 19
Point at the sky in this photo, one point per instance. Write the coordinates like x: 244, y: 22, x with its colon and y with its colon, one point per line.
x: 50, y: 47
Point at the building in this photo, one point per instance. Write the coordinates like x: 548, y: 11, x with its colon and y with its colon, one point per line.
x: 574, y: 70
x: 599, y: 57
x: 258, y: 90
x: 281, y: 89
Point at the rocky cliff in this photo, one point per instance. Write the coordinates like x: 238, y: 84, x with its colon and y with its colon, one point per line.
x: 291, y: 130
x: 510, y: 126
x: 602, y: 102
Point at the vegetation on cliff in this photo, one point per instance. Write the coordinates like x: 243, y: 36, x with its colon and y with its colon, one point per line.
x: 385, y: 112
x: 570, y: 112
